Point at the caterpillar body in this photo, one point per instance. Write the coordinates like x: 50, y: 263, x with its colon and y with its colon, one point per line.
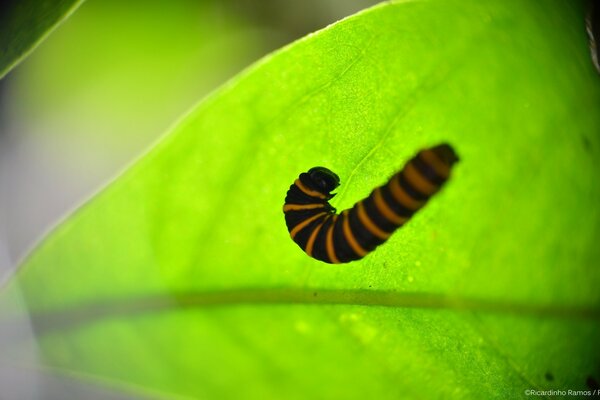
x: 352, y: 234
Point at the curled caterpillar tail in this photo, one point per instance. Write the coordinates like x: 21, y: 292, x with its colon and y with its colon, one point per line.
x: 340, y: 238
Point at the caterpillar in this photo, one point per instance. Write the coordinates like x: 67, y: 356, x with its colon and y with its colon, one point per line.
x: 335, y: 238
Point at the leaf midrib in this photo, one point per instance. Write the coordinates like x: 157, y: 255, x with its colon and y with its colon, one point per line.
x: 60, y: 320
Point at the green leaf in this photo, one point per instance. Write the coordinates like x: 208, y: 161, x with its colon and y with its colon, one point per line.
x: 181, y: 277
x: 25, y: 23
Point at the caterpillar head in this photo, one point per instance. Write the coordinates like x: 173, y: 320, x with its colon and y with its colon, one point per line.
x: 323, y: 179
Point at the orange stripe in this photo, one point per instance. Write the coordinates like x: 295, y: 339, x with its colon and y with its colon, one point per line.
x: 370, y: 225
x: 329, y: 242
x: 308, y: 191
x: 418, y: 181
x: 350, y: 237
x: 304, y: 223
x: 441, y: 168
x: 385, y: 210
x: 297, y: 207
x: 402, y: 197
x: 313, y: 236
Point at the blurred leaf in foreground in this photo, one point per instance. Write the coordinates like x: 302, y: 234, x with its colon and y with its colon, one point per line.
x: 25, y: 23
x: 180, y: 276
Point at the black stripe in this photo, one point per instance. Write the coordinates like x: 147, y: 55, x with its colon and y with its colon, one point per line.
x: 302, y: 237
x: 412, y: 192
x: 293, y: 218
x: 427, y: 170
x: 343, y: 251
x: 376, y: 216
x: 397, y: 207
x: 319, y: 246
x: 296, y: 196
x: 363, y: 236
